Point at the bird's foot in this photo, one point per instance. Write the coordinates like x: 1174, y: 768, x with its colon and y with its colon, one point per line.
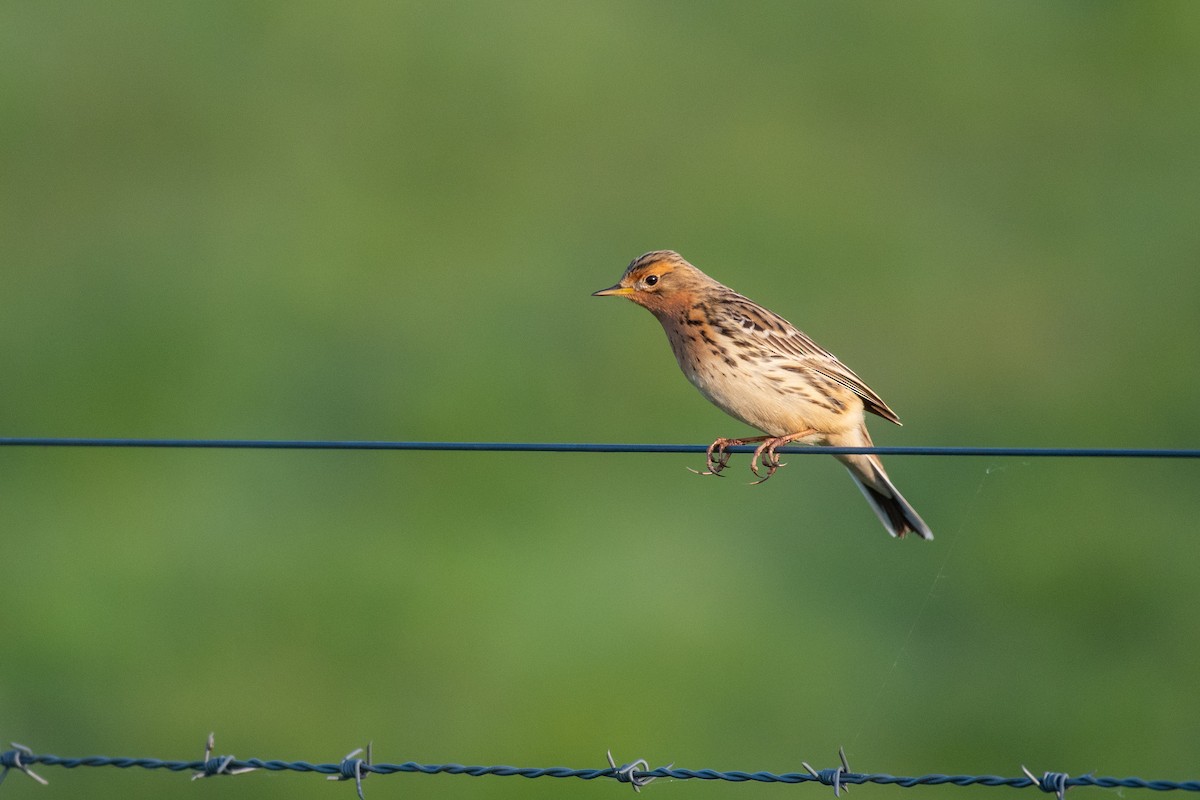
x: 717, y: 455
x: 770, y: 459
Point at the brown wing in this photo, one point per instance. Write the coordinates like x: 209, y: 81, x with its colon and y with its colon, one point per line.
x: 778, y: 335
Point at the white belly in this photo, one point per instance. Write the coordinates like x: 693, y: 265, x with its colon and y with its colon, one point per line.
x: 777, y: 401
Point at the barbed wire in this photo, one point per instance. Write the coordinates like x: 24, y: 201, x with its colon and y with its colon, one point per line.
x: 592, y: 447
x: 635, y: 773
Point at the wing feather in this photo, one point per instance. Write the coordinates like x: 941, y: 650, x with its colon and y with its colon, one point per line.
x: 781, y: 337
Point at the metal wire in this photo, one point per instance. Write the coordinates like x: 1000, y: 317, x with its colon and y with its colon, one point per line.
x: 636, y: 773
x: 569, y: 447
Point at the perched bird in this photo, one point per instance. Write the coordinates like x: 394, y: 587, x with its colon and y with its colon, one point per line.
x: 757, y: 367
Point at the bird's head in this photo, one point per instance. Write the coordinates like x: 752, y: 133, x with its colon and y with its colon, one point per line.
x: 659, y: 281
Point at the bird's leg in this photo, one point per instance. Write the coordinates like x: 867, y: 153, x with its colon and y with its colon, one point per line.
x: 770, y: 459
x: 719, y: 449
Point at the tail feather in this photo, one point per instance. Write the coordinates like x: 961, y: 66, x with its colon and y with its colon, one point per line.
x: 885, y: 499
x: 890, y: 506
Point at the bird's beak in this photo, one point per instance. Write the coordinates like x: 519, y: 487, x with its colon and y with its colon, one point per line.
x: 614, y: 291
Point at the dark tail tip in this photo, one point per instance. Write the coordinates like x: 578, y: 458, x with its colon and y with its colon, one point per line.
x: 894, y: 511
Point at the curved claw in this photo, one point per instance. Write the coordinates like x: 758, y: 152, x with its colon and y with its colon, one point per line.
x: 770, y: 460
x: 759, y: 475
x: 715, y: 465
x: 771, y: 467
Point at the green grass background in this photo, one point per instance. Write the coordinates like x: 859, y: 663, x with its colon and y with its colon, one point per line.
x: 383, y: 221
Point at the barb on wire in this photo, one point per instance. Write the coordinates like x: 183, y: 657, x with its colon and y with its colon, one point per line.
x: 636, y: 773
x: 352, y: 768
x: 568, y: 447
x: 831, y: 777
x: 1055, y: 783
x: 221, y: 765
x: 11, y: 759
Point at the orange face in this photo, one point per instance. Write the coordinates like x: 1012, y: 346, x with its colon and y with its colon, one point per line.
x: 653, y: 280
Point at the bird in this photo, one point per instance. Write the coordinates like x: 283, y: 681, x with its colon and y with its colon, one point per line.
x: 759, y: 368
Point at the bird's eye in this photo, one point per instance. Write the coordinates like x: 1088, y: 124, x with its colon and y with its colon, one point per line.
x: 651, y: 280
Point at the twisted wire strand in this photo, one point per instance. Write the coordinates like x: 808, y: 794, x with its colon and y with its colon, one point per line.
x: 1051, y: 782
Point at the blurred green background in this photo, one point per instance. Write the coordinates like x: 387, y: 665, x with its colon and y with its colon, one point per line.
x: 383, y: 221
